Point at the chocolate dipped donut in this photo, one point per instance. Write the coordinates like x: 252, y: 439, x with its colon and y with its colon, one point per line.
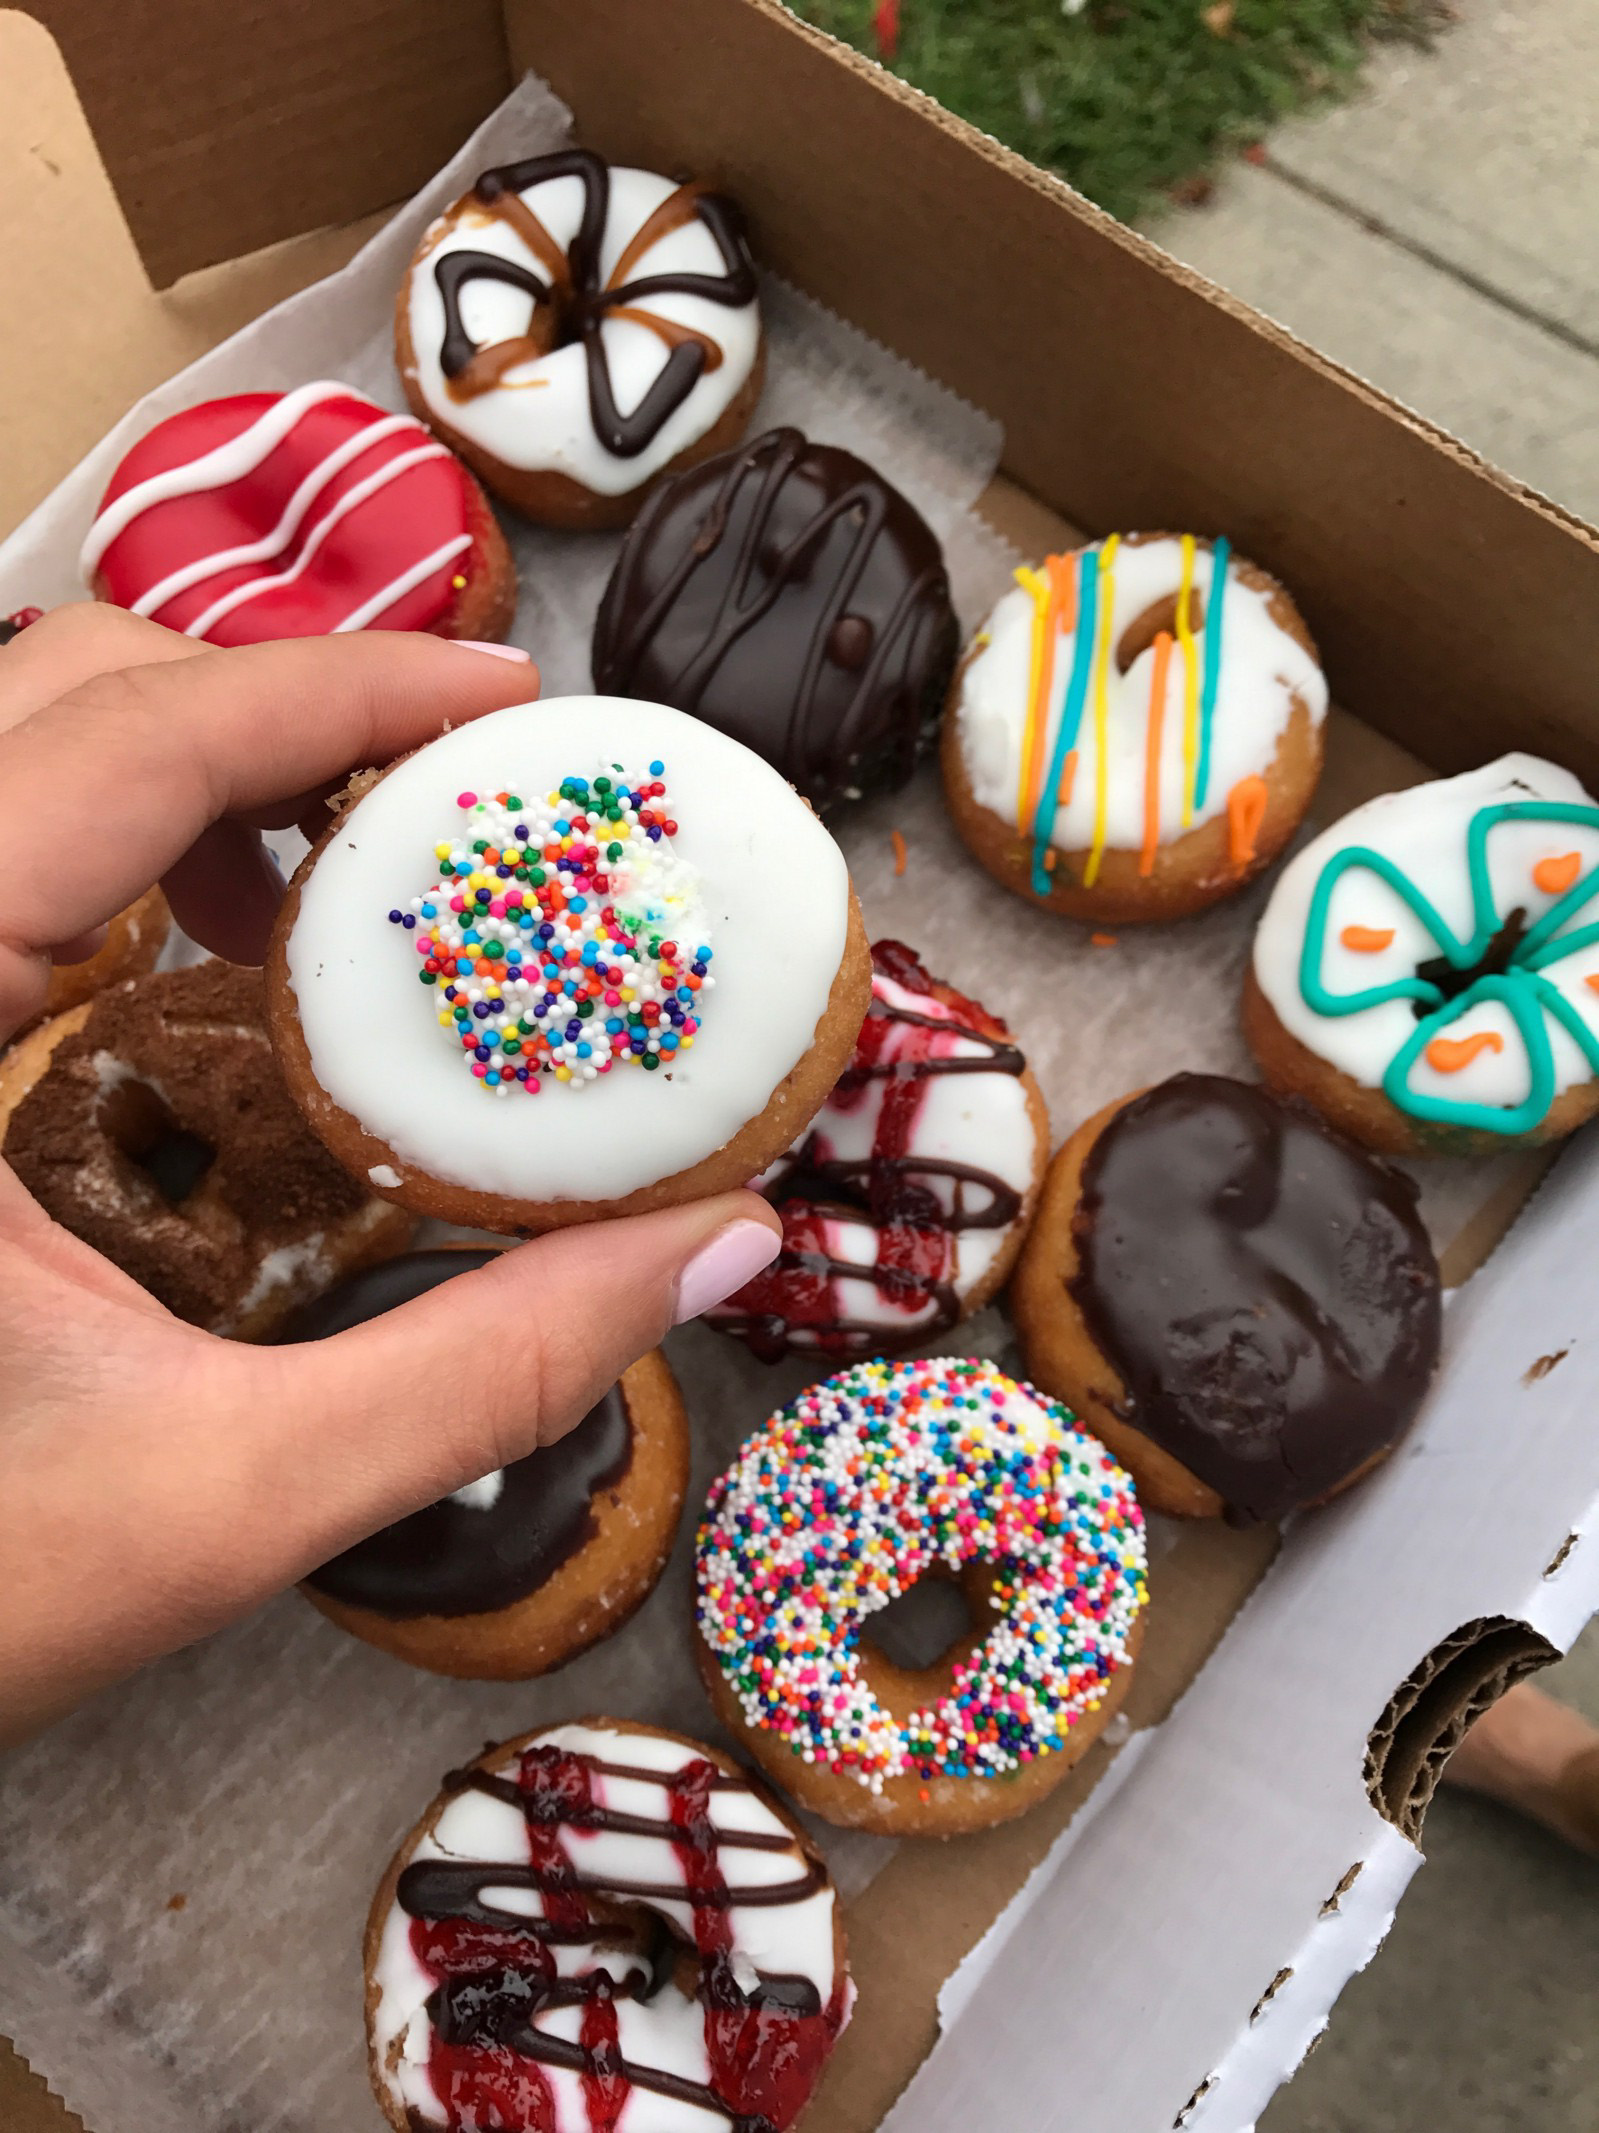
x: 601, y: 1926
x: 641, y: 966
x: 150, y: 1121
x: 575, y: 330
x: 522, y: 1570
x: 1239, y: 1301
x: 905, y: 1204
x: 1136, y: 730
x: 841, y: 1502
x: 791, y: 597
x: 300, y: 514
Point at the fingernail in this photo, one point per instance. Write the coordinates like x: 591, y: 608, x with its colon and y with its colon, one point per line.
x: 734, y: 1255
x: 495, y: 651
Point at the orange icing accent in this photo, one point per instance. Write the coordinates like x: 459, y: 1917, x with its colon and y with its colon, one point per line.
x: 1102, y: 940
x: 1157, y: 713
x: 1555, y: 876
x: 1246, y: 811
x: 898, y: 842
x: 1367, y: 940
x: 1068, y: 778
x: 1593, y: 982
x: 1060, y: 615
x: 1450, y: 1054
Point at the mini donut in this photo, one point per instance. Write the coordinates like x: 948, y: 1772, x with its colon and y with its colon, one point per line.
x: 1136, y: 730
x: 602, y: 1926
x: 13, y: 625
x: 1427, y: 971
x: 788, y: 595
x: 1239, y: 1301
x: 300, y: 514
x: 132, y: 946
x: 905, y: 1204
x: 521, y: 1570
x: 575, y: 330
x: 569, y: 1053
x: 882, y: 1475
x: 150, y: 1122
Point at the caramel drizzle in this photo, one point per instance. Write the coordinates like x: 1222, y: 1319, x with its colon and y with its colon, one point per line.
x: 572, y: 304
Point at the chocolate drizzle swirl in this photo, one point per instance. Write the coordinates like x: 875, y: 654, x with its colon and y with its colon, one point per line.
x: 571, y: 301
x: 1265, y: 1291
x: 787, y: 595
x: 457, y: 1558
x: 893, y: 1190
x: 496, y: 1972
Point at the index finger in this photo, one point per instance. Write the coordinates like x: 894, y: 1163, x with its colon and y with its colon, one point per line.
x: 141, y: 760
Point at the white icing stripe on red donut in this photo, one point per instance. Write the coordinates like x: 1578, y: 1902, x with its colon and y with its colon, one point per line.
x: 321, y: 514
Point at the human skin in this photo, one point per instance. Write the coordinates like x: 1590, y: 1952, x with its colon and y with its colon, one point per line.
x: 161, y: 1481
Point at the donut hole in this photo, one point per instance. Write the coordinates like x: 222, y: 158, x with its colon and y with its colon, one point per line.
x: 1155, y: 621
x: 141, y: 1126
x: 925, y: 1624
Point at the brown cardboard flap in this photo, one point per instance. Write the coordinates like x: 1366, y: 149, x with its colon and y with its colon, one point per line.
x: 226, y: 128
x: 1456, y: 610
x: 1431, y: 1709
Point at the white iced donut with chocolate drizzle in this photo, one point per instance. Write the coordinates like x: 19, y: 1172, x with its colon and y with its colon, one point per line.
x: 1427, y: 971
x: 602, y: 1925
x: 1136, y: 730
x: 641, y: 966
x: 576, y: 330
x: 906, y: 1202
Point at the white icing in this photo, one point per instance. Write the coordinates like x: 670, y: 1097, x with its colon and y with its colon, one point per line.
x: 1423, y: 831
x: 668, y: 2030
x: 1262, y: 671
x: 385, y: 1177
x: 537, y: 419
x: 981, y: 1120
x: 482, y: 1494
x: 285, y: 1264
x: 774, y: 888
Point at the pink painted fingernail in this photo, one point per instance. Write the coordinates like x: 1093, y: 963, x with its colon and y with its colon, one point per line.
x: 496, y: 651
x: 733, y: 1256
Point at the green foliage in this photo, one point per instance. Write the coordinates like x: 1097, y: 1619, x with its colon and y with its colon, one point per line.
x: 1128, y: 98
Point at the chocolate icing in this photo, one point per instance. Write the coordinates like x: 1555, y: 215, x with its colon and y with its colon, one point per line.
x: 571, y: 302
x: 454, y: 1558
x: 1265, y: 1291
x: 787, y: 595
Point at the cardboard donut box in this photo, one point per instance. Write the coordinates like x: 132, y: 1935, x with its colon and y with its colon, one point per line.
x: 1171, y: 1962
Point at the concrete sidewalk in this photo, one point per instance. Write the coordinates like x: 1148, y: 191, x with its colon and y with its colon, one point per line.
x: 1441, y: 237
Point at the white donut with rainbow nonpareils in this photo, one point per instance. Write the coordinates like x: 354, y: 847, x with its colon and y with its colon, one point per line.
x: 1428, y: 969
x: 1136, y: 729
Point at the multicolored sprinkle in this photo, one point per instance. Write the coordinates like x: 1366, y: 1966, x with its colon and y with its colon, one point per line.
x: 564, y: 934
x: 844, y: 1499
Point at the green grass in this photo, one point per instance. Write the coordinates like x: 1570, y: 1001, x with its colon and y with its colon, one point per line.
x: 1130, y: 100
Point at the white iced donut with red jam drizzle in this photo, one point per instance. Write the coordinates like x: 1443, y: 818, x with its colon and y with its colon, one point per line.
x: 574, y: 329
x: 1136, y: 728
x: 493, y: 979
x: 298, y: 514
x: 1427, y: 971
x: 906, y: 1202
x: 520, y: 1950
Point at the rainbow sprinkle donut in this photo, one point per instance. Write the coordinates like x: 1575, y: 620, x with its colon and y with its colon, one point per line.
x: 838, y: 1505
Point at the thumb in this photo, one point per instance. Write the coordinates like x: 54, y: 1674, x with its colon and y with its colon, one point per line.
x: 393, y: 1414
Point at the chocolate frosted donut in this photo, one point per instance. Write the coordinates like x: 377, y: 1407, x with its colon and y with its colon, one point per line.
x: 152, y: 1123
x: 521, y: 1570
x: 789, y: 596
x: 1241, y: 1303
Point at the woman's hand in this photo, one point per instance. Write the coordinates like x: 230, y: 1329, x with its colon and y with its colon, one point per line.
x: 157, y: 1480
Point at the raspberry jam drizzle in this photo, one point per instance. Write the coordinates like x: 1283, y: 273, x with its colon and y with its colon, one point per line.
x: 893, y: 1190
x: 496, y: 1970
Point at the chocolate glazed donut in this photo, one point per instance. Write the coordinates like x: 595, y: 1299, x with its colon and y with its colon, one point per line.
x: 787, y: 595
x: 1243, y: 1304
x: 516, y: 1573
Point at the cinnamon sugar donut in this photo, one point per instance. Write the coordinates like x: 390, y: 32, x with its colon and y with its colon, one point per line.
x: 905, y: 1204
x: 602, y: 1926
x: 1136, y: 730
x: 300, y: 514
x: 577, y: 330
x: 132, y: 946
x: 151, y: 1122
x: 523, y: 1569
